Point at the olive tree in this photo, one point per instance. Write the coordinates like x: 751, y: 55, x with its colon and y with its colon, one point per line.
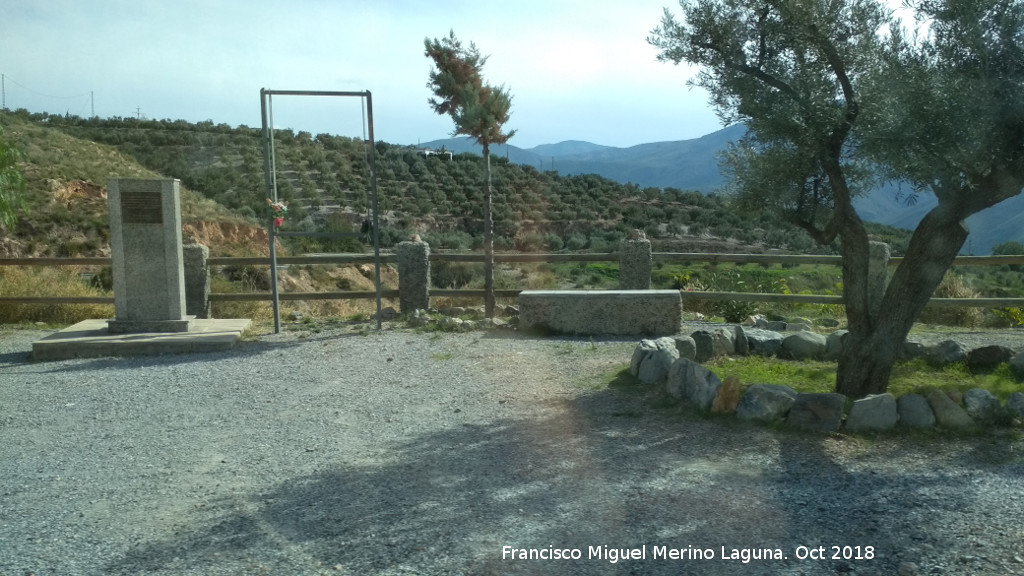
x: 478, y: 111
x: 837, y: 93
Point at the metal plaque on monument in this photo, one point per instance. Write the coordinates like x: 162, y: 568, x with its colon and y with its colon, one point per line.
x: 146, y: 254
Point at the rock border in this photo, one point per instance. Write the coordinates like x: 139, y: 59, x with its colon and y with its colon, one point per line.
x: 674, y: 362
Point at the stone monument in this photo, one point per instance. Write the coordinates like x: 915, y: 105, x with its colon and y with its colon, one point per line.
x: 146, y: 256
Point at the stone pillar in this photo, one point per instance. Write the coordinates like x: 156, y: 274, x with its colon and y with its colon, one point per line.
x: 197, y: 280
x: 878, y: 273
x: 635, y: 263
x: 146, y: 254
x: 413, y: 275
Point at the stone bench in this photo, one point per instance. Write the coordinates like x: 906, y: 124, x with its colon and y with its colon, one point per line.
x: 609, y: 312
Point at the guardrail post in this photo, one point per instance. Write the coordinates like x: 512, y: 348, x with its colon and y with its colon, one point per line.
x: 197, y: 280
x: 635, y: 262
x: 413, y: 275
x: 878, y: 273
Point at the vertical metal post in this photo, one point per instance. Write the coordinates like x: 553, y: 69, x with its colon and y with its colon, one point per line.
x: 373, y: 189
x: 270, y: 175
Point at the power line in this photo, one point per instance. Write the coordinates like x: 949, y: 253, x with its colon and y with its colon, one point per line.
x: 37, y: 93
x: 4, y: 78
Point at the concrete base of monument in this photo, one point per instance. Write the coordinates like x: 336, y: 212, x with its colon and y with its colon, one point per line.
x: 91, y: 339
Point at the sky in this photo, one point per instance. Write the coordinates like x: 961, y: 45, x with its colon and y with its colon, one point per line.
x: 577, y: 70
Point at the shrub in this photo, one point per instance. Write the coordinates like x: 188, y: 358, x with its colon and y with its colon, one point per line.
x: 735, y: 311
x: 445, y: 274
x: 953, y: 286
x: 252, y: 278
x: 49, y: 281
x: 553, y: 242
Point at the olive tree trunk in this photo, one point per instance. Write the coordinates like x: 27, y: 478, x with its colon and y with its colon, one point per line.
x: 877, y: 333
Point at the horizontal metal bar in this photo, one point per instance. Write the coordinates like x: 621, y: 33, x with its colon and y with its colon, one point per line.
x: 319, y: 234
x: 311, y: 93
x: 256, y: 296
x: 57, y: 300
x: 475, y: 293
x: 758, y: 297
x: 712, y: 258
x: 978, y: 302
x: 319, y: 259
x: 676, y: 257
x: 985, y: 260
x: 83, y: 261
x: 511, y: 257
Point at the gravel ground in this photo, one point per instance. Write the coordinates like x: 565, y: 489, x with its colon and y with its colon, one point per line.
x: 406, y: 453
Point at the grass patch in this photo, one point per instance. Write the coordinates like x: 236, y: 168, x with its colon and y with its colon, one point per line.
x: 919, y: 377
x: 442, y: 357
x: 805, y: 376
x: 23, y: 281
x: 915, y: 376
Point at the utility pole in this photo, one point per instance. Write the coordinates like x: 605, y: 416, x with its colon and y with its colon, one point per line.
x: 138, y: 113
x: 3, y: 88
x: 92, y: 103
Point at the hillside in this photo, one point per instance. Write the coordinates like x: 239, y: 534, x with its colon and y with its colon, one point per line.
x: 693, y: 165
x: 324, y: 177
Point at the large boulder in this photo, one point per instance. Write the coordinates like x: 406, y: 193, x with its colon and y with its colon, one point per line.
x: 912, y: 350
x: 948, y: 414
x: 1017, y: 366
x: 714, y: 342
x: 875, y: 412
x: 763, y: 342
x: 705, y: 345
x: 817, y: 411
x: 803, y: 346
x: 724, y: 338
x: 652, y: 359
x: 766, y: 402
x: 687, y: 347
x: 1015, y: 404
x: 689, y: 381
x: 946, y: 352
x: 915, y: 412
x: 834, y: 343
x: 740, y: 343
x: 988, y: 358
x: 980, y: 404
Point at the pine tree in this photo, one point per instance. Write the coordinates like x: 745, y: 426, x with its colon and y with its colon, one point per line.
x: 478, y: 111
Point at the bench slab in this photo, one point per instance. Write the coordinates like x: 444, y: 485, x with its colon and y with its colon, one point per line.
x: 608, y: 312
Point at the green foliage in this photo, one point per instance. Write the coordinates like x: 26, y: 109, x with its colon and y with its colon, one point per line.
x: 12, y: 184
x: 477, y: 109
x: 735, y: 311
x: 799, y: 110
x: 1014, y: 316
x: 1011, y: 248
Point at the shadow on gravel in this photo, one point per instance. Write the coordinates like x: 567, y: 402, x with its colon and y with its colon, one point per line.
x: 12, y: 359
x: 590, y: 474
x: 242, y: 350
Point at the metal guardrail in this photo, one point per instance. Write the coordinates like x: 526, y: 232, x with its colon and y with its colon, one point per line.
x: 668, y: 257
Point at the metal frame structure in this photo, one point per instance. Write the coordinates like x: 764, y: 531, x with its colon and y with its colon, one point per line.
x: 270, y: 174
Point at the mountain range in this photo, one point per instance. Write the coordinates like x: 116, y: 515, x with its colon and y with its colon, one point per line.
x: 693, y: 165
